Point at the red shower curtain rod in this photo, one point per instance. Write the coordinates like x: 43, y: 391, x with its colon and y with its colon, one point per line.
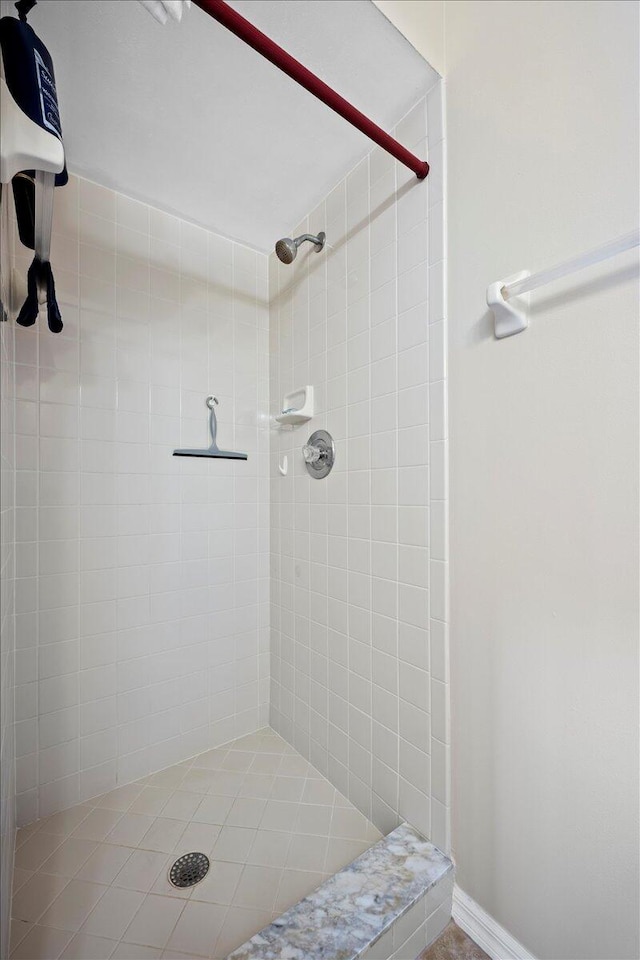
x: 246, y: 31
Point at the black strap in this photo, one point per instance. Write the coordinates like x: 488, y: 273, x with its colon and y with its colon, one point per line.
x: 40, y: 275
x: 23, y: 7
x: 29, y: 310
x: 54, y: 318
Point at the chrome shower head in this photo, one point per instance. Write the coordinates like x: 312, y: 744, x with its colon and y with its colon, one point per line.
x: 287, y: 249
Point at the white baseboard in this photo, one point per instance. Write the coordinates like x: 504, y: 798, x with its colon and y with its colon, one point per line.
x: 487, y: 932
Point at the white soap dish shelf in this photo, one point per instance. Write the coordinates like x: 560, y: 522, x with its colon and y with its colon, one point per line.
x: 297, y: 406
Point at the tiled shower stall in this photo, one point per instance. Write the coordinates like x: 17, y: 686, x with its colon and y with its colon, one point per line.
x: 155, y: 608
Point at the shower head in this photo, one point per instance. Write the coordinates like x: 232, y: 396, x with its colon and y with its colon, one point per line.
x: 287, y: 249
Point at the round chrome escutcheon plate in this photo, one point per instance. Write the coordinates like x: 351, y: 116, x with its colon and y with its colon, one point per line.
x: 322, y: 442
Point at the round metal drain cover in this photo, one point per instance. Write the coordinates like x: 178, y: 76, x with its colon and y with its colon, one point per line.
x: 189, y: 869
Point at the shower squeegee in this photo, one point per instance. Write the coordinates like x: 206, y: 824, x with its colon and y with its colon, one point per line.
x: 213, y: 450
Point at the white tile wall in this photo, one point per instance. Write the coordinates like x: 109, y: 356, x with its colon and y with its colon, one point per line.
x: 7, y: 590
x: 142, y: 579
x: 360, y: 560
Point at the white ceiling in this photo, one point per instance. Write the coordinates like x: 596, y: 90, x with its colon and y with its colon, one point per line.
x: 190, y: 119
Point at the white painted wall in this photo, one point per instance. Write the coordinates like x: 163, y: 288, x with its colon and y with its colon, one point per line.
x: 234, y: 144
x: 142, y: 589
x: 543, y: 162
x: 359, y: 560
x: 422, y: 23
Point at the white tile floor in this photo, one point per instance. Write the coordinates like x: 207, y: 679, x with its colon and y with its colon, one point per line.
x: 91, y: 882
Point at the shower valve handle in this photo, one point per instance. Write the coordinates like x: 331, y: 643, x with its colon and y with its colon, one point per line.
x: 312, y: 454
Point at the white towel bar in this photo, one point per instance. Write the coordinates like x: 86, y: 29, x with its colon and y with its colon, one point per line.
x: 506, y: 297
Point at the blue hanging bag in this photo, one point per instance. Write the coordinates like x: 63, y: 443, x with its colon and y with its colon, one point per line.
x: 30, y: 79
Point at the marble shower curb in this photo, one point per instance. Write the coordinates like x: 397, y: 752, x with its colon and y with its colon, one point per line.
x: 369, y: 909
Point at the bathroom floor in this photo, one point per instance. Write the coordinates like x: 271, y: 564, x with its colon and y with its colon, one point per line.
x: 91, y: 882
x: 454, y: 944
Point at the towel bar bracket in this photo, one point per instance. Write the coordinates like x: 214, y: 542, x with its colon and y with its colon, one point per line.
x: 509, y: 313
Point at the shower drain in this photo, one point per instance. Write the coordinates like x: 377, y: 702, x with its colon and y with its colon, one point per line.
x: 189, y: 869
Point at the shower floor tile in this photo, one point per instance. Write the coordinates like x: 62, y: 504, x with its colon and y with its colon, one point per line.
x: 92, y: 881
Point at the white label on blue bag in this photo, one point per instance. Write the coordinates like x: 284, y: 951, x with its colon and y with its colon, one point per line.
x: 48, y: 97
